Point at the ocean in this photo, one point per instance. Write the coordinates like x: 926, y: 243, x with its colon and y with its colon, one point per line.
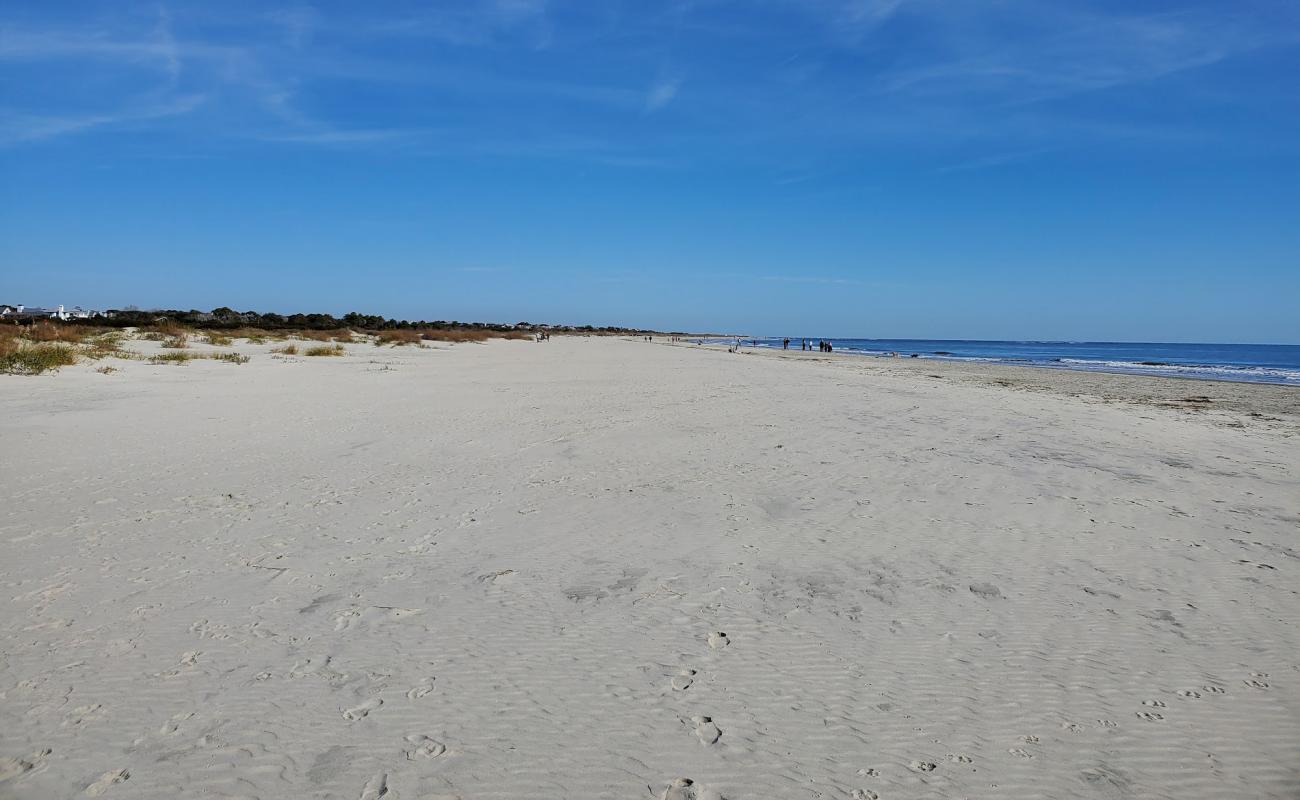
x: 1252, y: 363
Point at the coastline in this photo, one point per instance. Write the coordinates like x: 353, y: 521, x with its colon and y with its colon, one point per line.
x: 1255, y: 402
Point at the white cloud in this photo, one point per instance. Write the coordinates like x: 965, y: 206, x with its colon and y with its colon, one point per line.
x: 661, y: 93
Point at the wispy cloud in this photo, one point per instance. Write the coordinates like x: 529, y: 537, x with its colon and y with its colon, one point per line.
x: 16, y: 128
x: 812, y: 279
x: 661, y: 93
x: 993, y: 160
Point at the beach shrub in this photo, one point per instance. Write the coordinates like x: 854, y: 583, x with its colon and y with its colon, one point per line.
x: 327, y: 350
x: 33, y: 359
x: 179, y: 359
x: 231, y: 358
x: 45, y: 331
x: 287, y: 350
x: 105, y: 345
x: 397, y: 338
x: 218, y: 339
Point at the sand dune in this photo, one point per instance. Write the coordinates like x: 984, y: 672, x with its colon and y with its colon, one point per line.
x: 597, y: 568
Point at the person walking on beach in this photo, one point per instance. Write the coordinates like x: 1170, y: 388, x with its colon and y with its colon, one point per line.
x: 785, y: 344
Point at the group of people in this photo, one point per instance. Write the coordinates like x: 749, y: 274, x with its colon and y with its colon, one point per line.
x: 805, y: 344
x: 543, y: 336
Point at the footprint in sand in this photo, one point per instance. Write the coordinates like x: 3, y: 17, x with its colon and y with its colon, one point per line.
x: 1020, y: 753
x: 683, y: 680
x: 1029, y: 739
x: 1214, y: 690
x: 107, y: 781
x: 425, y: 747
x: 377, y: 789
x: 718, y: 640
x: 1150, y: 716
x: 13, y: 767
x: 687, y: 789
x: 864, y: 794
x: 359, y: 712
x: 705, y: 728
x: 1190, y: 694
x: 1107, y: 723
x: 173, y: 725
x: 1256, y: 680
x: 924, y: 766
x: 1153, y: 703
x: 422, y: 689
x: 869, y: 773
x: 959, y: 758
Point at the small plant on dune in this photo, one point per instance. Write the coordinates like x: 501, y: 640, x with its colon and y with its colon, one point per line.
x: 106, y: 370
x: 179, y: 359
x: 105, y: 345
x: 178, y: 342
x: 327, y: 350
x: 231, y: 358
x: 344, y: 335
x: 287, y: 350
x: 33, y: 359
x: 56, y: 332
x: 397, y: 338
x: 218, y: 339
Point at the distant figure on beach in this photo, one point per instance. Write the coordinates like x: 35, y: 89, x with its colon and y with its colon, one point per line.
x: 785, y: 344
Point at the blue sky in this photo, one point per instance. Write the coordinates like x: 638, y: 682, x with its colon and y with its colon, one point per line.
x: 889, y: 168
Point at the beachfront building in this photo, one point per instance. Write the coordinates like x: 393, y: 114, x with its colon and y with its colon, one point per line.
x: 57, y: 312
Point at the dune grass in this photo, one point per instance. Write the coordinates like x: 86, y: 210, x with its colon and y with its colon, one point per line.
x: 231, y: 358
x: 22, y: 358
x: 326, y: 350
x: 218, y: 339
x: 105, y: 345
x: 290, y: 349
x: 397, y: 338
x: 45, y: 331
x: 179, y: 359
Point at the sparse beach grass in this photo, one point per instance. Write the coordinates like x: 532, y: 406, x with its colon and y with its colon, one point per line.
x: 231, y: 358
x: 287, y: 350
x: 218, y: 339
x: 24, y: 358
x: 326, y: 350
x: 105, y: 345
x: 55, y: 332
x: 178, y: 358
x: 396, y: 338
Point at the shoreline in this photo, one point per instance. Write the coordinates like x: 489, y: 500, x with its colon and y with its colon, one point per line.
x: 1259, y: 402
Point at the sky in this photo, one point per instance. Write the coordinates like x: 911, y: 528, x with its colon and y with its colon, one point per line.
x: 1005, y: 169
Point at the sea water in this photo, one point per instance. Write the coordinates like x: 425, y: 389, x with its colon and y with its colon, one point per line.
x: 1255, y: 363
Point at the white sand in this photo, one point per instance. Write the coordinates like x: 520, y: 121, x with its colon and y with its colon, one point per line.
x: 505, y: 571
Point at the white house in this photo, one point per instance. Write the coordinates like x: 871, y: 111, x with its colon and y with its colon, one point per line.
x: 59, y: 312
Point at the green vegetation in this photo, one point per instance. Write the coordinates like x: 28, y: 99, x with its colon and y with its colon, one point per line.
x: 327, y: 350
x: 179, y: 359
x: 21, y: 358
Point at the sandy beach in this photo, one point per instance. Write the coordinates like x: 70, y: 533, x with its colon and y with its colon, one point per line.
x: 608, y: 568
